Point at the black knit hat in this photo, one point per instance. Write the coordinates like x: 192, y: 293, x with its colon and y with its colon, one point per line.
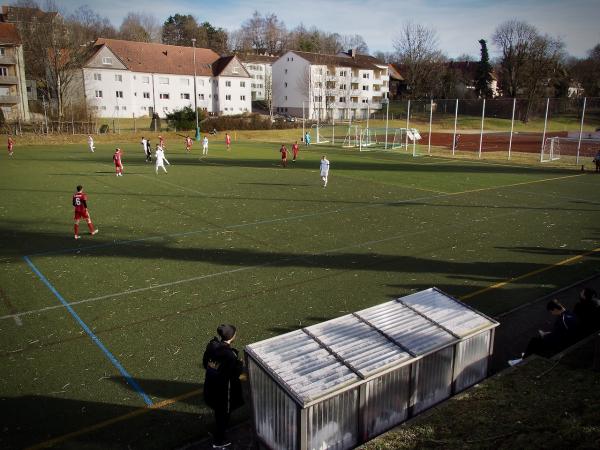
x: 226, y: 332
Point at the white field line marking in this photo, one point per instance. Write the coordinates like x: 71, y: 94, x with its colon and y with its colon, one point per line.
x: 241, y: 269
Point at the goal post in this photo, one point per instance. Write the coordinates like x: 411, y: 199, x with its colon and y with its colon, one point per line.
x: 569, y: 148
x: 550, y: 150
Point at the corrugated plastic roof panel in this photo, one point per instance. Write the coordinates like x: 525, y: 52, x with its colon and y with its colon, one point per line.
x: 407, y: 328
x: 359, y: 345
x: 448, y: 312
x: 302, y: 365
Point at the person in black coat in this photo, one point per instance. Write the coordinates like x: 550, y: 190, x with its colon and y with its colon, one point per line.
x: 222, y: 385
x: 587, y: 311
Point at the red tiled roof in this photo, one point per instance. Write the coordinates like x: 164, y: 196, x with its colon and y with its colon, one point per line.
x: 358, y: 62
x: 251, y: 58
x: 161, y: 58
x: 9, y: 34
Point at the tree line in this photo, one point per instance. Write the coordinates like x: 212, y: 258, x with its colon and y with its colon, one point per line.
x: 531, y: 64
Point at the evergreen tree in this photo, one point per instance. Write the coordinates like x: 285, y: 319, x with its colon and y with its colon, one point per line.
x: 483, y: 76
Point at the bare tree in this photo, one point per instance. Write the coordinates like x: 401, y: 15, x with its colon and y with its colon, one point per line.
x: 140, y: 27
x: 514, y: 39
x: 355, y: 42
x: 587, y: 72
x: 421, y: 60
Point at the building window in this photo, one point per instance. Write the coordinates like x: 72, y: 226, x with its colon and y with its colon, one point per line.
x: 228, y: 97
x: 200, y: 82
x: 201, y: 96
x: 2, y: 50
x: 119, y: 78
x: 185, y: 96
x: 343, y: 87
x: 164, y: 96
x: 104, y: 108
x: 146, y: 80
x: 3, y: 71
x: 365, y: 87
x: 163, y: 80
x: 228, y: 84
x: 98, y: 94
x: 366, y: 75
x: 236, y: 68
x: 124, y: 108
x: 342, y: 99
x: 285, y: 84
x: 185, y: 81
x: 146, y: 94
x: 285, y: 71
x: 98, y: 76
x: 286, y: 98
x: 119, y: 94
x: 107, y: 60
x: 342, y: 73
x: 117, y: 108
x: 242, y: 84
x: 243, y: 97
x: 216, y: 97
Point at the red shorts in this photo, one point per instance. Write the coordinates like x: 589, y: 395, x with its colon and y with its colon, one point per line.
x: 81, y: 215
x: 119, y: 165
x: 10, y: 148
x: 284, y: 156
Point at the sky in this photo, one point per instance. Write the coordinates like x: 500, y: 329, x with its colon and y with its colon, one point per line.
x: 459, y: 23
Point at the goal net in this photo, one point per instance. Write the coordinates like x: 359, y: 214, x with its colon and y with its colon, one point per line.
x: 550, y: 150
x: 319, y: 135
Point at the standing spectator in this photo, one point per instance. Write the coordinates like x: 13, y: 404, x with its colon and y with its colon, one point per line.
x: 222, y: 385
x: 283, y: 151
x: 205, y: 145
x: 10, y: 145
x: 307, y: 139
x: 295, y: 151
x: 324, y: 170
x: 597, y: 161
x: 587, y: 311
x: 118, y: 162
x: 227, y: 141
x: 159, y: 157
x: 81, y: 212
x: 91, y: 143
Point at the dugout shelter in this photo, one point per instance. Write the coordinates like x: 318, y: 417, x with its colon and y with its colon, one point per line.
x: 342, y: 382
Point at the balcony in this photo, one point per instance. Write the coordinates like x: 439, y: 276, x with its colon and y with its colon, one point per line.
x: 9, y: 80
x: 7, y: 60
x: 9, y: 99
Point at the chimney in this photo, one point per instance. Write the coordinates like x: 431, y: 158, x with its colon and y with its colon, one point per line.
x: 352, y: 52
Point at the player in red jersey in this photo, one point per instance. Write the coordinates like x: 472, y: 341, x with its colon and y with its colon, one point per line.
x: 11, y: 145
x: 118, y: 162
x: 188, y: 144
x: 227, y: 141
x: 81, y: 212
x: 295, y: 150
x: 283, y: 151
x: 161, y: 142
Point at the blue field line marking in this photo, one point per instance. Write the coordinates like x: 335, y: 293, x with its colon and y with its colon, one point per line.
x: 91, y: 334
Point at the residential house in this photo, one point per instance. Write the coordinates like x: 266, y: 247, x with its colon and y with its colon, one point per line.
x: 319, y: 86
x: 13, y: 89
x: 133, y: 79
x: 260, y: 69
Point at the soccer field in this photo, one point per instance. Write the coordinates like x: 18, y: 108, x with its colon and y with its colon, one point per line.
x: 102, y: 338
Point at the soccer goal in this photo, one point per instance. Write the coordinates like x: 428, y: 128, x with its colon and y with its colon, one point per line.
x: 353, y: 136
x: 550, y: 150
x: 320, y: 133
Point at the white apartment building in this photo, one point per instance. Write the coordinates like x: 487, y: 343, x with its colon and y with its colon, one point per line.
x: 13, y: 89
x: 260, y: 69
x: 343, y: 86
x: 135, y: 79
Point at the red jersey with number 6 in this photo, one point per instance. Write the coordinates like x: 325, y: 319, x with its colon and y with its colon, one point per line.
x: 80, y: 204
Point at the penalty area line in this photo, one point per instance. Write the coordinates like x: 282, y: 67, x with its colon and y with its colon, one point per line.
x: 115, y: 362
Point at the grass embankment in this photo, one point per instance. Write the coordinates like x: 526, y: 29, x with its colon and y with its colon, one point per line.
x: 538, y: 405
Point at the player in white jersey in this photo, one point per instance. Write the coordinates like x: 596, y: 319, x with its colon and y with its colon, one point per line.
x: 205, y: 145
x: 159, y: 157
x: 324, y: 170
x: 91, y: 143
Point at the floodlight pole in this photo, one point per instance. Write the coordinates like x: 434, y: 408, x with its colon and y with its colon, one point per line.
x: 512, y: 126
x: 430, y: 120
x: 580, y: 130
x: 195, y: 93
x: 455, y: 122
x: 387, y: 116
x: 303, y: 121
x: 481, y: 132
x: 545, y: 126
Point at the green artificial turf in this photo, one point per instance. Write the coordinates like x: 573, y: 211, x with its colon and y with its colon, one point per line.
x: 235, y: 238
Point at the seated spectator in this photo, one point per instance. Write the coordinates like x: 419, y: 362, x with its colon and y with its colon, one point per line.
x: 587, y: 311
x: 563, y: 334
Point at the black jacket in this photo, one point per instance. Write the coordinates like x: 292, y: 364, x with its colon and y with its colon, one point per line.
x: 222, y: 386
